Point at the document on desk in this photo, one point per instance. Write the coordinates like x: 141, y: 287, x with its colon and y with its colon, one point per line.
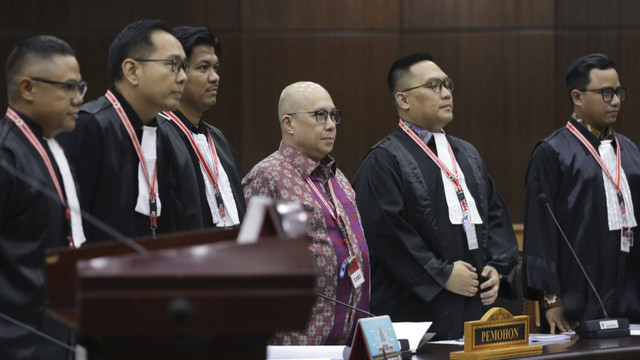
x: 534, y: 339
x: 325, y: 352
x: 635, y: 329
x: 415, y: 332
x: 546, y: 339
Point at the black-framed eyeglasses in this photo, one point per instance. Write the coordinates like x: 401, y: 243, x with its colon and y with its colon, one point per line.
x: 176, y: 64
x: 608, y: 91
x: 323, y: 115
x: 72, y: 86
x: 435, y: 85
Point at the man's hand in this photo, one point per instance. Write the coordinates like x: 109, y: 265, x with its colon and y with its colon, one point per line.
x: 490, y: 286
x: 463, y: 279
x: 556, y: 320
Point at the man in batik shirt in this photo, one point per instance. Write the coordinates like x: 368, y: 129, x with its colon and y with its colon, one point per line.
x: 301, y: 170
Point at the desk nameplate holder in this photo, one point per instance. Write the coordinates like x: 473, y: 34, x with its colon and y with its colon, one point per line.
x: 498, y: 335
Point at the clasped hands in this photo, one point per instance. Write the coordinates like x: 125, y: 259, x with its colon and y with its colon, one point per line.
x: 464, y: 281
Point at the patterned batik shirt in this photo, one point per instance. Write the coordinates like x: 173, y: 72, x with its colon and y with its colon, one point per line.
x: 282, y: 176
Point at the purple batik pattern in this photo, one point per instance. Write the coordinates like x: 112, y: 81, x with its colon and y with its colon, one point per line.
x: 282, y: 176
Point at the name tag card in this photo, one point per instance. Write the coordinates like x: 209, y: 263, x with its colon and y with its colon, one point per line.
x: 375, y: 339
x: 498, y: 335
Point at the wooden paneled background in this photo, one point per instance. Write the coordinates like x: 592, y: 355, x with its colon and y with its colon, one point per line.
x: 508, y: 58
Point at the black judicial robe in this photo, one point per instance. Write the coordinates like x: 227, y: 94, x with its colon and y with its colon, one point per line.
x: 563, y: 168
x: 412, y: 243
x: 29, y: 223
x: 227, y: 155
x: 107, y: 166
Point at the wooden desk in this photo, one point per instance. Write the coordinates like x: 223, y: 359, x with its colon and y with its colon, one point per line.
x: 584, y: 349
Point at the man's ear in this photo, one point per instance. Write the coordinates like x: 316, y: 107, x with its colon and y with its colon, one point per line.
x: 286, y: 122
x: 577, y: 96
x: 26, y: 89
x: 401, y: 100
x: 131, y: 71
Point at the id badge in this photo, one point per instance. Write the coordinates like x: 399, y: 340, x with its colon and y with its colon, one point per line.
x: 470, y: 230
x: 355, y: 273
x: 626, y: 239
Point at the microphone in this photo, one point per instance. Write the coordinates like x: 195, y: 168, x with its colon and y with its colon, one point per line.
x: 598, y: 328
x: 79, y: 351
x: 345, y: 304
x: 84, y: 214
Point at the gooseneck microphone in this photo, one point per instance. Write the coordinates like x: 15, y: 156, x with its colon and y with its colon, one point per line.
x: 599, y: 328
x: 345, y: 304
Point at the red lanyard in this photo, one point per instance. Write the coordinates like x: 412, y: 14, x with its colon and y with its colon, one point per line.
x: 596, y: 156
x: 13, y: 116
x: 334, y: 214
x: 453, y: 176
x: 212, y: 175
x: 153, y: 217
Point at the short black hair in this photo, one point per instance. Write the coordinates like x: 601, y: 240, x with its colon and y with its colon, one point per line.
x: 578, y: 73
x: 134, y: 41
x: 41, y: 47
x: 190, y: 37
x: 401, y: 66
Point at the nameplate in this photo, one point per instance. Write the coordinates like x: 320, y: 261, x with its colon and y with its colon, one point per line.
x: 497, y: 335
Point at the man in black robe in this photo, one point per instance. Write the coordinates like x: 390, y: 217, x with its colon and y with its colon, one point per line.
x: 146, y: 63
x: 44, y: 90
x: 221, y: 196
x: 586, y: 202
x: 424, y: 266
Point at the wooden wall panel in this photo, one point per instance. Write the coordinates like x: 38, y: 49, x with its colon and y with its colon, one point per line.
x: 476, y: 14
x: 591, y: 13
x: 314, y: 14
x: 112, y: 16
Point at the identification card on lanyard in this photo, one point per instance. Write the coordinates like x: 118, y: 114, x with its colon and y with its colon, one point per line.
x: 468, y: 227
x: 350, y: 264
x: 626, y: 234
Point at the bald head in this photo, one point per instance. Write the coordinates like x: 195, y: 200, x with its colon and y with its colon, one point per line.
x: 297, y: 97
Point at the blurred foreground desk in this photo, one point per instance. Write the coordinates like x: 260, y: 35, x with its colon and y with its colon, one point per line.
x: 584, y: 349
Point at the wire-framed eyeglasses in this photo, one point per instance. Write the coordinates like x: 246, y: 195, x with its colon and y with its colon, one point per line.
x: 323, y: 115
x: 72, y: 86
x: 176, y: 64
x: 435, y: 85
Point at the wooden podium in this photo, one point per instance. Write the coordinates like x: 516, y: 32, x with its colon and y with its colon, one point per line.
x: 196, y: 295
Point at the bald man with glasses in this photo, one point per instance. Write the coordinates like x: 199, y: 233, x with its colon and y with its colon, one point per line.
x: 441, y: 242
x: 134, y: 171
x: 301, y: 170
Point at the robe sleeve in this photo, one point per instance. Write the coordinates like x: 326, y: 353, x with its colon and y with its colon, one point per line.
x: 392, y: 240
x: 540, y: 257
x: 502, y: 246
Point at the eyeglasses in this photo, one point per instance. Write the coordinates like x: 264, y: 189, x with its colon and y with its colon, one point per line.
x: 323, y: 115
x: 435, y: 85
x: 176, y: 64
x: 72, y: 86
x: 608, y: 91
